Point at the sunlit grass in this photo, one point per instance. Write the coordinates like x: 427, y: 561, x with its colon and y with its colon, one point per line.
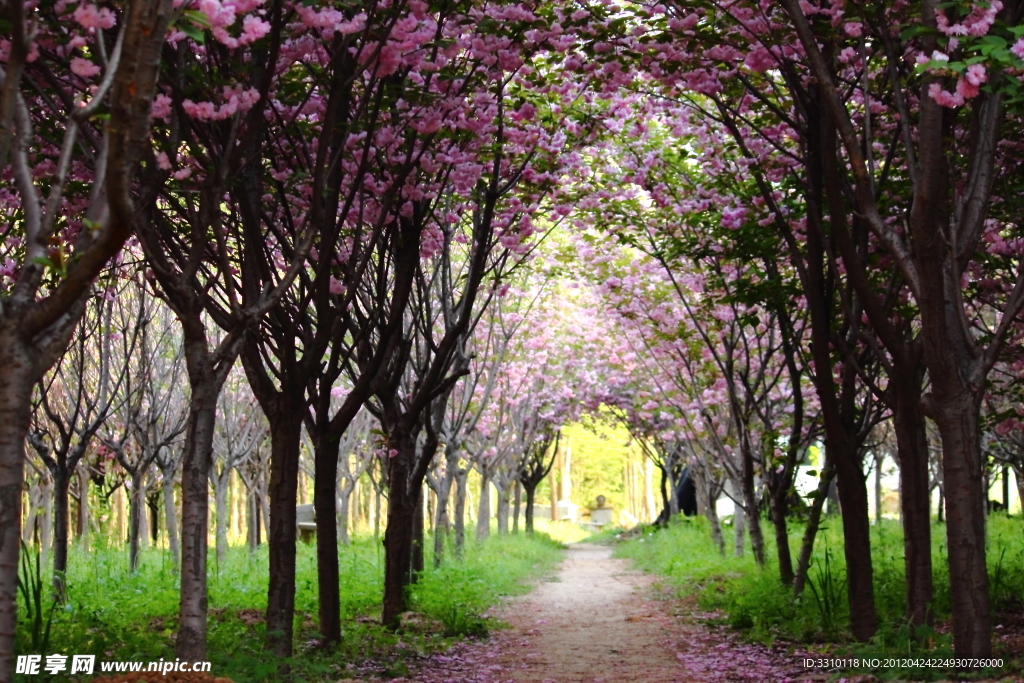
x: 755, y: 601
x: 119, y: 615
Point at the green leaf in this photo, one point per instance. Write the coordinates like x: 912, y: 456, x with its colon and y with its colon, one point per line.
x: 192, y: 31
x: 915, y: 31
x: 198, y: 18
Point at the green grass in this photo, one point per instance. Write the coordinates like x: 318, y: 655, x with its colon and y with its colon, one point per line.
x: 119, y: 615
x: 755, y: 602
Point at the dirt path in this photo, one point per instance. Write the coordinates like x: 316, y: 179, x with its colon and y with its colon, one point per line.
x: 595, y: 622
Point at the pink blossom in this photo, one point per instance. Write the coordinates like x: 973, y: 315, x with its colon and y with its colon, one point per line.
x: 965, y: 89
x: 732, y: 218
x: 253, y: 28
x: 84, y: 68
x: 1018, y: 48
x: 944, y: 97
x: 161, y: 107
x: 337, y: 287
x: 976, y: 74
x: 759, y: 60
x: 91, y: 17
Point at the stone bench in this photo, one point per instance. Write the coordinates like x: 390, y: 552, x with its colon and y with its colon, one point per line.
x: 305, y: 521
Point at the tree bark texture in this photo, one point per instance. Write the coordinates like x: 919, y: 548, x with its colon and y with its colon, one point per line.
x: 915, y: 494
x: 483, y: 517
x: 170, y: 517
x: 325, y: 459
x: 285, y: 436
x: 18, y: 372
x: 191, y: 642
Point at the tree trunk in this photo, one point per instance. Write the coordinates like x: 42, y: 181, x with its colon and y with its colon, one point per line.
x: 18, y: 372
x: 83, y: 509
x: 459, y: 523
x: 220, y: 501
x: 136, y: 512
x: 711, y: 513
x: 750, y: 504
x: 403, y: 506
x: 966, y: 504
x: 517, y: 504
x: 483, y: 518
x: 915, y: 496
x: 153, y: 503
x: 442, y: 523
x: 61, y: 485
x: 170, y: 517
x: 879, y: 460
x: 739, y: 519
x: 840, y: 425
x: 777, y: 501
x: 195, y: 473
x: 285, y: 435
x: 503, y: 507
x: 531, y: 492
x: 325, y: 458
x: 253, y: 521
x: 853, y: 496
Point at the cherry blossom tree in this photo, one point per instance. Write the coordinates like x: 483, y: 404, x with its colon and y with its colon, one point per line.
x: 60, y: 233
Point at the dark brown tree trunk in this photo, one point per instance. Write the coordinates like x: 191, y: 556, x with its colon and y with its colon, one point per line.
x: 17, y: 375
x: 955, y: 369
x: 838, y: 403
x: 915, y: 495
x: 841, y: 443
x: 516, y: 506
x: 853, y: 497
x: 398, y: 540
x: 777, y: 501
x: 531, y: 492
x: 285, y: 436
x: 326, y: 470
x: 61, y: 485
x: 965, y: 520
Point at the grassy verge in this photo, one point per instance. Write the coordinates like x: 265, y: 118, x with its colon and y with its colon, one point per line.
x: 737, y: 593
x: 118, y: 615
